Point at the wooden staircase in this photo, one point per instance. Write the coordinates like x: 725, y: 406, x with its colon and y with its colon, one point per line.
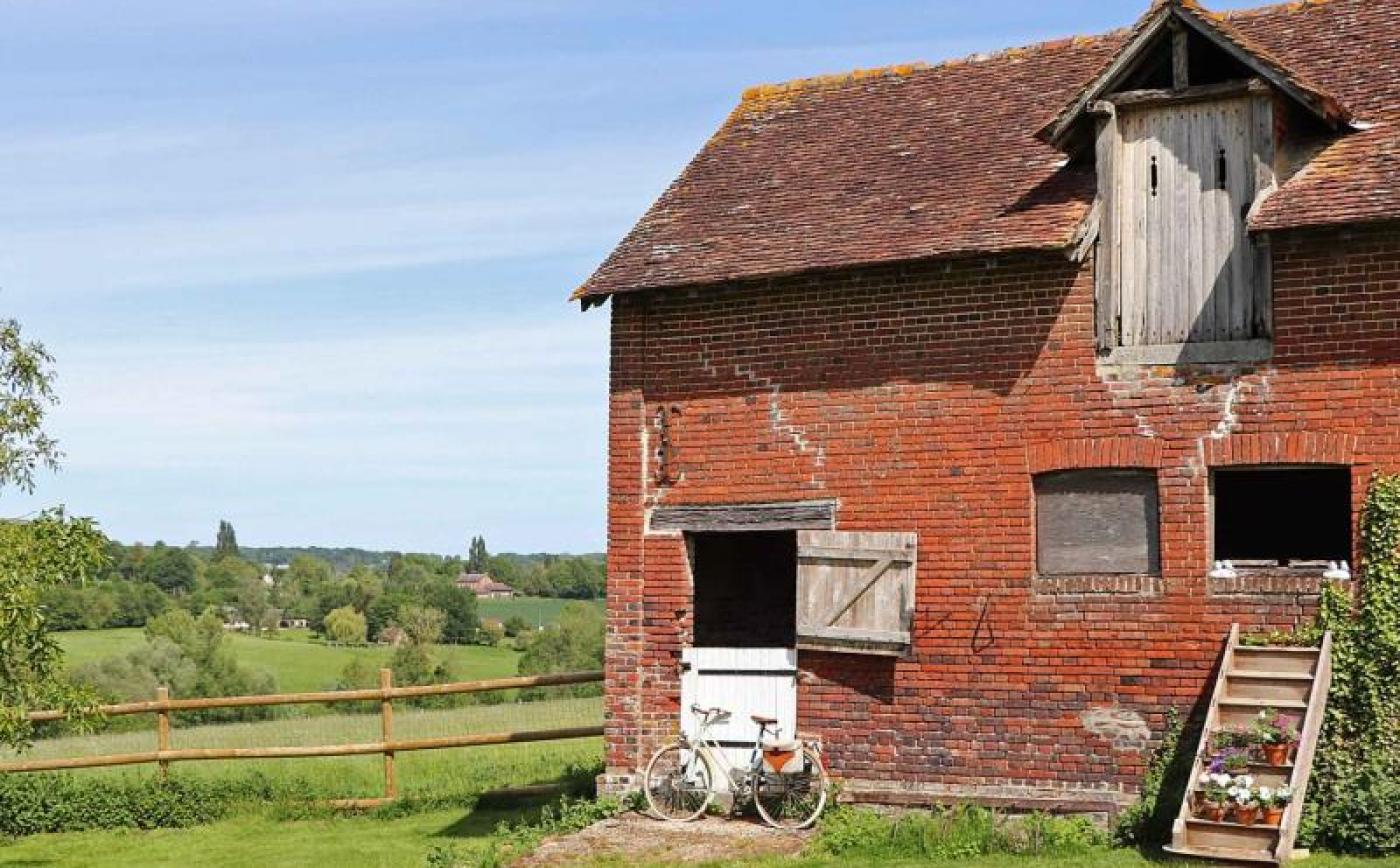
x: 1291, y: 681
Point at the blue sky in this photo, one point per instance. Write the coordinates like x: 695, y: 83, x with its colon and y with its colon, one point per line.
x: 304, y: 265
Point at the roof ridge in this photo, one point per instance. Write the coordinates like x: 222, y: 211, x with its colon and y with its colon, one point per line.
x: 792, y: 87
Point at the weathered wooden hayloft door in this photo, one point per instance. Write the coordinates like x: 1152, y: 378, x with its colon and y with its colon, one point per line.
x: 1185, y: 182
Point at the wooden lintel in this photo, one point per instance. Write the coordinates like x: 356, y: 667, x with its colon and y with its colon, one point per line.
x: 805, y: 515
x: 1200, y: 93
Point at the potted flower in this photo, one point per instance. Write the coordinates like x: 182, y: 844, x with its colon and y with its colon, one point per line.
x: 1244, y: 801
x: 1273, y: 802
x: 1275, y: 736
x: 1231, y: 760
x: 1214, y: 796
x: 1232, y: 738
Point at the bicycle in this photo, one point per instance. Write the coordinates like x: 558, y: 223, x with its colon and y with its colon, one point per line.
x: 785, y: 779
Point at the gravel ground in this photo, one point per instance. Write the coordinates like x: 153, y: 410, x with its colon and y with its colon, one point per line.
x: 638, y: 839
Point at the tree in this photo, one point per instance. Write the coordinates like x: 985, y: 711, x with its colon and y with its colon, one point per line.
x: 46, y: 551
x: 225, y: 542
x: 346, y: 625
x: 170, y: 569
x: 573, y: 644
x: 459, y: 609
x: 422, y: 625
x: 26, y: 393
x: 478, y: 560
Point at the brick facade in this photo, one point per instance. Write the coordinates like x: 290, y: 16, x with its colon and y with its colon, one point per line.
x: 923, y: 397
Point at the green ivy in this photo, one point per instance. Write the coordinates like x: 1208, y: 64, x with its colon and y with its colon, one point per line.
x: 1354, y: 801
x: 1149, y: 819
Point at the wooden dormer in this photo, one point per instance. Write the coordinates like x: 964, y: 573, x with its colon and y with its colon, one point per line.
x: 1185, y: 124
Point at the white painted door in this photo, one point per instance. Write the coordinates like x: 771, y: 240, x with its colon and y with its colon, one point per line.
x: 742, y: 681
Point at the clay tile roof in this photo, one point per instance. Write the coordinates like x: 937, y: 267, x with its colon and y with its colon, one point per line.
x: 918, y: 162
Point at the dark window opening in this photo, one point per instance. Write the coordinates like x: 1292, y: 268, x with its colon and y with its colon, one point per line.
x: 1097, y: 522
x: 745, y: 589
x: 1154, y: 173
x: 1222, y: 171
x: 1282, y: 517
x: 1211, y: 65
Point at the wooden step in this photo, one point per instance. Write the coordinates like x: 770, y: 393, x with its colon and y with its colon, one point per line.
x: 1257, y: 840
x: 1292, y: 681
x: 1266, y: 775
x: 1220, y: 854
x: 1287, y: 687
x: 1240, y: 712
x: 1274, y: 659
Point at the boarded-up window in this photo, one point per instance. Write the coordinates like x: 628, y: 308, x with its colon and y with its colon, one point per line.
x: 1096, y: 522
x: 855, y: 591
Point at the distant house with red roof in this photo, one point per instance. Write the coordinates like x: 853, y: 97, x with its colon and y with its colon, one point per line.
x: 485, y: 587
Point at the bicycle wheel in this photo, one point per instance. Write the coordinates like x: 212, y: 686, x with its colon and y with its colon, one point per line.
x: 793, y: 801
x: 677, y: 783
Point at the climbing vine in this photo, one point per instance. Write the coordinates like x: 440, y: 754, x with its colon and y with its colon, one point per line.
x: 1354, y: 802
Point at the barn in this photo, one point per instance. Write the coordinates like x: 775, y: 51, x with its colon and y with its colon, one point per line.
x: 958, y: 411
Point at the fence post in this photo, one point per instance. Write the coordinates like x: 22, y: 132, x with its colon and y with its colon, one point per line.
x: 163, y: 729
x: 386, y: 716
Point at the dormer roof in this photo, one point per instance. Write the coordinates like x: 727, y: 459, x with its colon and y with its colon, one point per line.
x: 920, y: 162
x: 1168, y: 15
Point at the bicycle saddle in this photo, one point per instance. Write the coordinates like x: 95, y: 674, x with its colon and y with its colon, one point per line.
x: 763, y: 720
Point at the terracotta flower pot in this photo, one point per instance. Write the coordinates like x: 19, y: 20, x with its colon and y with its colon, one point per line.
x: 1277, y: 754
x: 1273, y: 816
x: 1246, y: 816
x: 1211, y: 811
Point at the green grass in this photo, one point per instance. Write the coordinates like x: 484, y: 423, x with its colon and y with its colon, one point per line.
x: 259, y: 840
x: 536, y: 611
x: 434, y: 773
x: 403, y: 842
x: 297, y: 662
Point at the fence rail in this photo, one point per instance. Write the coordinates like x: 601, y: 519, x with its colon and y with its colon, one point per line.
x: 385, y: 694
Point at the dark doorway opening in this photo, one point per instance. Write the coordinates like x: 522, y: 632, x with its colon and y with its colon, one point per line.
x: 745, y: 589
x: 1282, y: 516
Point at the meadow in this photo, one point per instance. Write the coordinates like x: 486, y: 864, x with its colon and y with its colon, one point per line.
x: 536, y: 611
x: 435, y: 774
x: 298, y: 662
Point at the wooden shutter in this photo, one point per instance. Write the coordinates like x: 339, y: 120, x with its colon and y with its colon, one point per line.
x: 1096, y: 522
x: 1186, y: 268
x: 855, y: 591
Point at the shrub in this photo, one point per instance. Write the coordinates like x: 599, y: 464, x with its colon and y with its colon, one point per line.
x: 573, y: 644
x: 1149, y: 819
x: 950, y: 834
x: 55, y: 802
x: 1354, y: 801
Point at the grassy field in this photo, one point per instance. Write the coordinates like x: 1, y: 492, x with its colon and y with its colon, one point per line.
x: 295, y: 661
x: 536, y: 611
x: 423, y: 773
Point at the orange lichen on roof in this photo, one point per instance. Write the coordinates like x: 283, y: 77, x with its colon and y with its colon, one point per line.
x: 765, y: 93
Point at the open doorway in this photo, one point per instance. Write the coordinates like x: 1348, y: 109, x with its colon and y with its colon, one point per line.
x: 745, y: 589
x: 744, y: 654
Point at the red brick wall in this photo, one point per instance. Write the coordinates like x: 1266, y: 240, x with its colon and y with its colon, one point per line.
x: 922, y: 398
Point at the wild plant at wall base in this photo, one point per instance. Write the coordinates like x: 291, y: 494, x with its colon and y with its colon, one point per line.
x: 1353, y: 804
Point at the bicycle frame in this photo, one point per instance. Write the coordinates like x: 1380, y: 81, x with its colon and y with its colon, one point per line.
x: 713, y: 752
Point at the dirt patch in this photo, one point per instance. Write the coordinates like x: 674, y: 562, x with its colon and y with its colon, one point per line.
x: 637, y: 839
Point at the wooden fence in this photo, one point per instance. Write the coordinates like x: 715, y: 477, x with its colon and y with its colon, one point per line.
x: 386, y: 694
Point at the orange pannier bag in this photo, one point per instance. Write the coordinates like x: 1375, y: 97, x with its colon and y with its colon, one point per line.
x: 783, y: 758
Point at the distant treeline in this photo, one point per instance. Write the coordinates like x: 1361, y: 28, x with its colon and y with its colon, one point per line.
x: 254, y: 586
x: 345, y: 559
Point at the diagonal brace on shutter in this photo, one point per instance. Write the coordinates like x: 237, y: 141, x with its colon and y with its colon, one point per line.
x: 883, y: 561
